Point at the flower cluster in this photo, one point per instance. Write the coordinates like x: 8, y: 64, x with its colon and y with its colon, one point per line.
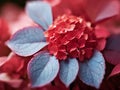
x: 71, y: 36
x: 59, y: 54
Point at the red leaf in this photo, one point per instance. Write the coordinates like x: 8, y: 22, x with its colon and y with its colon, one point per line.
x: 102, y: 9
x: 115, y: 71
x: 112, y: 57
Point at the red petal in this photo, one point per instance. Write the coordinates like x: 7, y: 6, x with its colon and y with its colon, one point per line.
x: 112, y: 57
x: 15, y: 65
x: 11, y: 81
x: 69, y: 36
x: 72, y: 45
x: 88, y: 53
x: 91, y: 44
x: 62, y: 48
x: 3, y: 60
x: 4, y: 30
x: 101, y: 44
x: 4, y: 50
x: 110, y: 10
x: 64, y: 27
x: 101, y: 32
x: 81, y: 42
x: 102, y: 9
x: 4, y: 36
x: 81, y: 56
x: 115, y: 71
x: 65, y: 7
x: 74, y: 54
x: 61, y: 55
x: 53, y: 48
x: 53, y: 2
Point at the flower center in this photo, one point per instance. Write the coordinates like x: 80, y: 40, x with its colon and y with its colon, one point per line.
x: 71, y: 37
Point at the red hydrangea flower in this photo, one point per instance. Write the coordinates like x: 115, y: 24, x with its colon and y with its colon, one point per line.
x: 71, y: 36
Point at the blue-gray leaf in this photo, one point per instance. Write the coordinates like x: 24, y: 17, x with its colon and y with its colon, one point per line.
x: 42, y: 69
x: 92, y: 72
x: 27, y: 41
x: 68, y: 71
x: 40, y: 12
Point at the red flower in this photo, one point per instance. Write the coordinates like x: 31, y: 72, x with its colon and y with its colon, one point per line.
x: 14, y: 71
x: 4, y: 36
x: 71, y: 36
x: 4, y: 30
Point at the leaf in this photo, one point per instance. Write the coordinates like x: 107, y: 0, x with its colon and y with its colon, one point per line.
x: 27, y: 41
x: 112, y: 57
x: 40, y: 12
x: 68, y: 71
x: 113, y: 43
x: 115, y: 71
x: 42, y: 69
x: 92, y: 72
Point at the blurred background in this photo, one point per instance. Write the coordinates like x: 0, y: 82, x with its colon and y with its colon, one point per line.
x: 20, y: 3
x: 13, y: 12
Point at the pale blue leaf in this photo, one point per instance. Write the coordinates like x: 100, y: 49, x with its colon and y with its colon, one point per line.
x: 92, y: 71
x: 42, y: 69
x: 40, y: 12
x: 68, y: 71
x: 27, y: 41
